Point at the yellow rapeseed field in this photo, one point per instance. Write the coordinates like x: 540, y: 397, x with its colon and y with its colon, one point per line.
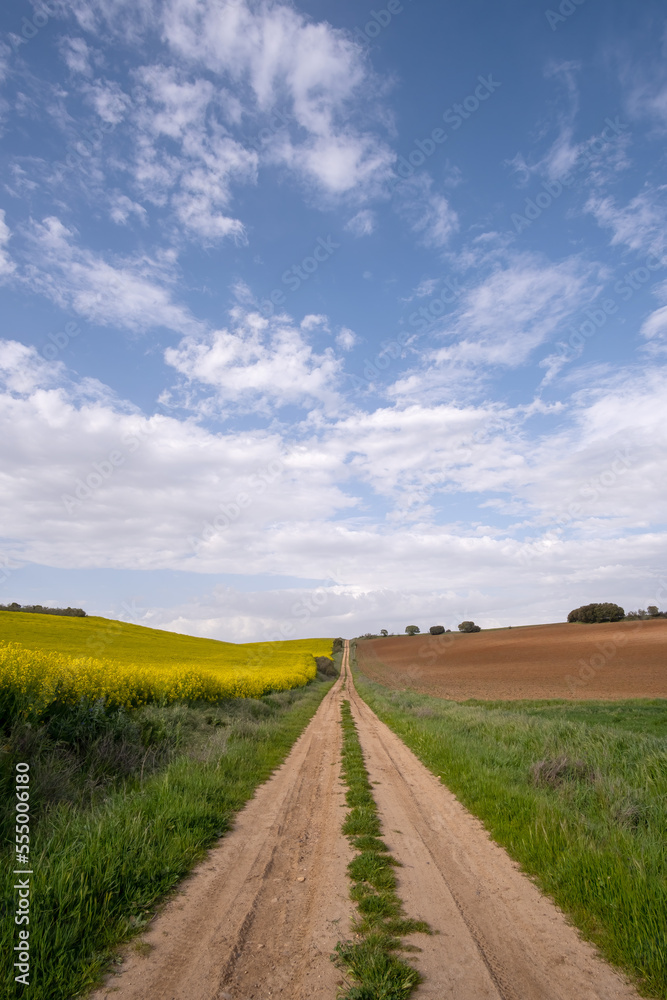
x: 32, y: 679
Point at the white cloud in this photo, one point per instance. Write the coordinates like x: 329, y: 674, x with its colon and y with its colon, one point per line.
x: 22, y: 370
x: 346, y: 339
x: 645, y: 85
x: 654, y: 328
x: 174, y: 103
x: 129, y: 19
x: 650, y: 100
x: 256, y: 364
x: 122, y: 208
x: 426, y: 287
x: 314, y: 321
x: 129, y: 294
x: 590, y: 161
x: 76, y: 54
x: 5, y: 53
x: 587, y: 490
x: 640, y: 225
x: 274, y: 56
x: 560, y: 159
x: 339, y: 163
x: 110, y: 102
x: 517, y: 308
x: 500, y: 320
x: 429, y: 214
x: 175, y: 109
x: 7, y: 265
x: 362, y: 224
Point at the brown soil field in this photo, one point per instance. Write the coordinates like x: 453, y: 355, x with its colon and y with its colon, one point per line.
x: 608, y: 661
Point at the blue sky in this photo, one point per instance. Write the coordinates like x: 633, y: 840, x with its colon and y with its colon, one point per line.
x: 324, y: 318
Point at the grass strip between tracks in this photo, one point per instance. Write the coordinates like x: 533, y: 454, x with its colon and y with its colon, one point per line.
x: 99, y: 872
x: 371, y: 957
x: 582, y: 806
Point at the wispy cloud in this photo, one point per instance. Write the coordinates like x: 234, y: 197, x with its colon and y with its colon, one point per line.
x: 128, y: 293
x: 428, y: 213
x: 361, y: 224
x: 654, y: 328
x: 7, y: 265
x: 499, y: 322
x: 641, y: 224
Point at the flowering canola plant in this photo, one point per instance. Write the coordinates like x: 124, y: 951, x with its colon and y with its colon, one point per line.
x: 32, y: 679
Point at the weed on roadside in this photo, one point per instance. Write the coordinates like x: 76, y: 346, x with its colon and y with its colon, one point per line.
x: 371, y: 958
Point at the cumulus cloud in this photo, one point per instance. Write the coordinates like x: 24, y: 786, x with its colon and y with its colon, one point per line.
x: 346, y: 338
x: 173, y: 109
x: 254, y: 364
x: 88, y: 481
x: 76, y: 54
x: 284, y: 57
x: 274, y: 56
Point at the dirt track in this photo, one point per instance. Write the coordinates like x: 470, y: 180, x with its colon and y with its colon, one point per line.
x: 607, y: 661
x: 245, y: 928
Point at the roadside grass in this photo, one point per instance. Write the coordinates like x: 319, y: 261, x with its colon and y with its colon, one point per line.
x: 371, y: 958
x: 576, y: 793
x: 641, y: 715
x: 106, y: 846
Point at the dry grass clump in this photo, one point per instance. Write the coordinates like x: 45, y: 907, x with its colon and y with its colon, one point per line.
x: 551, y: 773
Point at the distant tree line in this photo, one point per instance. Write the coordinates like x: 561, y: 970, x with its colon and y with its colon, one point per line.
x: 650, y: 612
x: 589, y: 614
x: 440, y: 629
x: 37, y: 609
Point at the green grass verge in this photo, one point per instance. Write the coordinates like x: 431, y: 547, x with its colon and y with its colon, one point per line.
x: 99, y: 870
x: 576, y: 793
x: 371, y: 958
x: 641, y: 715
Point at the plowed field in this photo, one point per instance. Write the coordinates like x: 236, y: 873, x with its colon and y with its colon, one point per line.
x: 609, y: 661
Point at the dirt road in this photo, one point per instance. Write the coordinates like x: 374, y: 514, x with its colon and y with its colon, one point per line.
x: 260, y: 917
